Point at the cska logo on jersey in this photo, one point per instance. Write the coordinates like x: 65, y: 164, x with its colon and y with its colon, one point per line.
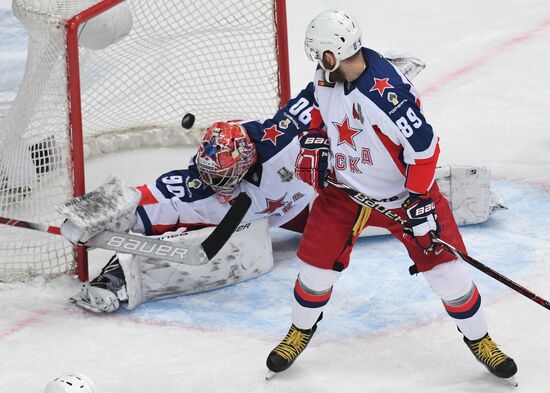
x: 380, y: 85
x: 346, y: 133
x: 271, y: 134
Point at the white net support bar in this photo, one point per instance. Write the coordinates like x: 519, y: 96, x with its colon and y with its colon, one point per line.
x: 143, y: 65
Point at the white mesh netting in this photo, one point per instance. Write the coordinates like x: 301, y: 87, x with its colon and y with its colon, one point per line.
x: 215, y: 59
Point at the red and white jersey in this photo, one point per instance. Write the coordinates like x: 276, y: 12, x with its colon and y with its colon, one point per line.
x: 381, y: 143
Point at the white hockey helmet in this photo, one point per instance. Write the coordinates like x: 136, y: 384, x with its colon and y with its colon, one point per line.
x: 333, y: 31
x: 70, y: 383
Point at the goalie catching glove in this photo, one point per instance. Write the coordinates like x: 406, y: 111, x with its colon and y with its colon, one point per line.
x: 312, y: 163
x: 422, y: 220
x: 110, y: 207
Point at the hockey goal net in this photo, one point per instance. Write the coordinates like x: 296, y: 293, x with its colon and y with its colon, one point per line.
x: 224, y: 59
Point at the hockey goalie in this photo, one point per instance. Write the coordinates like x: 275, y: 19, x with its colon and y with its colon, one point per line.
x: 254, y: 157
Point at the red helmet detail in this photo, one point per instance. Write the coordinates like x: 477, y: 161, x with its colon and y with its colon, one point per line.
x: 225, y: 155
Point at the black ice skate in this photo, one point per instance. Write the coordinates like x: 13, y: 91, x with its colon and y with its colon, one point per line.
x: 487, y: 353
x: 111, y: 276
x: 103, y: 293
x: 284, y: 354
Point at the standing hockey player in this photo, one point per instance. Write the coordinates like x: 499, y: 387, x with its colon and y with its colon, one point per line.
x: 380, y: 144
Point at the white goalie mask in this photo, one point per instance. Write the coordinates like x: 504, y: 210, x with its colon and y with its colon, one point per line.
x: 333, y: 31
x: 70, y: 383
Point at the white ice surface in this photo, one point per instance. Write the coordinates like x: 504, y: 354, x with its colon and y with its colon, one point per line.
x: 486, y: 92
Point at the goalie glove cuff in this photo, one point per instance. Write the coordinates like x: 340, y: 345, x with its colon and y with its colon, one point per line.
x: 73, y: 233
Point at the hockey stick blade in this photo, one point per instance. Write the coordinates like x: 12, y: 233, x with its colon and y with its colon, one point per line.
x: 177, y: 252
x: 149, y: 247
x: 364, y: 200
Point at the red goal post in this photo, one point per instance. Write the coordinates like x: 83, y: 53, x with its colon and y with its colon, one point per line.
x: 217, y: 60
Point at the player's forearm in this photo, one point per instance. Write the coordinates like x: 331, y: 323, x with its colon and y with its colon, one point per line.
x: 421, y: 175
x: 156, y: 219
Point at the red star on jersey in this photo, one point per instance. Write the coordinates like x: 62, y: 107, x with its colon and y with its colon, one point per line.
x: 380, y: 85
x: 273, y: 205
x: 346, y: 133
x: 271, y: 134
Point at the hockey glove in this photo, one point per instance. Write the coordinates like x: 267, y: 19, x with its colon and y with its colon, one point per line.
x: 312, y: 162
x: 110, y: 207
x: 422, y: 220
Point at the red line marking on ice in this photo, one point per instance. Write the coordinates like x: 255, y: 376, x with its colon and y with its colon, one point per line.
x: 33, y: 319
x: 480, y: 61
x: 518, y: 180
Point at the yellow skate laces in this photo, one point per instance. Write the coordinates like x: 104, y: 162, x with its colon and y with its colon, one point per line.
x: 293, y: 344
x: 486, y: 350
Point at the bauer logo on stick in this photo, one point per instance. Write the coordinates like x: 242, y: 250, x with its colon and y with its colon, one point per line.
x: 147, y: 247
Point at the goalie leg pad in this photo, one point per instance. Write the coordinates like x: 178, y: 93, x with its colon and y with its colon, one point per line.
x: 467, y: 189
x: 409, y: 65
x: 246, y: 255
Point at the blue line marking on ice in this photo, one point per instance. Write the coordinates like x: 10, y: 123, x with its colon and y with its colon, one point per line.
x: 376, y: 293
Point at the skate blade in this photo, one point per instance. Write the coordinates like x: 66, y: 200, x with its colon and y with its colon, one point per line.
x: 512, y: 381
x: 270, y: 374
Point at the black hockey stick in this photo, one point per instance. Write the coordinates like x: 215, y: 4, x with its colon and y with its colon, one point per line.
x: 177, y: 252
x: 217, y: 239
x: 373, y: 204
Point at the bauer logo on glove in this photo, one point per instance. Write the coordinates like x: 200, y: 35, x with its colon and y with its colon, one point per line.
x: 312, y: 163
x: 422, y: 220
x: 311, y: 140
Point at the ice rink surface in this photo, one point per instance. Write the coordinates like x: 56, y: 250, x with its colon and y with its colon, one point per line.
x: 486, y: 92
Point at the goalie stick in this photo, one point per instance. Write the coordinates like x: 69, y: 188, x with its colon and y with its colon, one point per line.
x: 373, y: 204
x: 178, y: 252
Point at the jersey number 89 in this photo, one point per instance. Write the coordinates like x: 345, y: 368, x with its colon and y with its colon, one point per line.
x: 405, y: 126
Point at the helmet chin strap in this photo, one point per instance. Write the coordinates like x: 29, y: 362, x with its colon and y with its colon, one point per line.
x: 327, y: 72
